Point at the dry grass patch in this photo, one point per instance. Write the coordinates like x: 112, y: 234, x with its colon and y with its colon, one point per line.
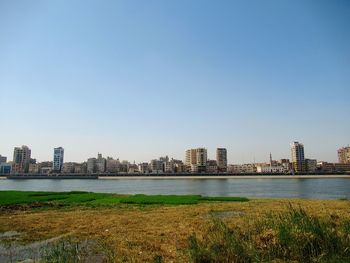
x: 145, y: 233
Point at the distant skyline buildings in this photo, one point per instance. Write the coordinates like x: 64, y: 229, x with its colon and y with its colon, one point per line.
x: 195, y: 156
x: 194, y: 161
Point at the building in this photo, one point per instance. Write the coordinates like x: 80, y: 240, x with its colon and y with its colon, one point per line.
x: 174, y: 166
x: 156, y: 166
x: 201, y: 160
x: 34, y: 168
x: 91, y: 165
x: 242, y: 168
x: 311, y: 165
x: 5, y: 168
x: 21, y: 159
x: 3, y: 159
x: 298, y: 160
x: 45, y: 167
x: 124, y: 166
x: 68, y: 167
x: 212, y: 167
x: 191, y: 157
x: 112, y: 165
x: 58, y: 154
x: 270, y: 169
x: 100, y: 163
x: 80, y: 168
x: 344, y: 155
x: 133, y: 168
x: 196, y: 160
x: 144, y: 168
x: 326, y: 167
x: 286, y: 164
x: 342, y: 167
x: 221, y: 159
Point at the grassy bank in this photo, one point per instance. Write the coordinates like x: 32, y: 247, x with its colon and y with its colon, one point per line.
x: 293, y: 235
x: 174, y: 228
x: 42, y: 199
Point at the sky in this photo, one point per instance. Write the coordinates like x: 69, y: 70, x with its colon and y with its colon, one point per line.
x: 137, y: 79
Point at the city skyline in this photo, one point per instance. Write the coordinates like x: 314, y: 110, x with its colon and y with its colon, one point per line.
x: 141, y: 80
x: 195, y: 161
x: 210, y: 155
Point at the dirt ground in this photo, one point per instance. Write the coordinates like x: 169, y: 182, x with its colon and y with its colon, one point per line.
x: 141, y: 233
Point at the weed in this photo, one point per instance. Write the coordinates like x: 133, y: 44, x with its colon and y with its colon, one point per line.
x: 293, y: 235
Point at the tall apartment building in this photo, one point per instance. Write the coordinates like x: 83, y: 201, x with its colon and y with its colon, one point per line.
x: 221, y: 159
x: 58, y: 154
x: 201, y: 159
x: 21, y: 159
x: 191, y: 157
x: 344, y: 155
x: 196, y: 159
x: 298, y: 159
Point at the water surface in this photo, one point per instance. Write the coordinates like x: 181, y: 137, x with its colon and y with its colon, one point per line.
x: 315, y: 188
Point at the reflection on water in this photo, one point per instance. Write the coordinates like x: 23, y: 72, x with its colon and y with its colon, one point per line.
x: 317, y: 188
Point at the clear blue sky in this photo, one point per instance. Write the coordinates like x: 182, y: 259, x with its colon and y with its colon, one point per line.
x: 141, y: 79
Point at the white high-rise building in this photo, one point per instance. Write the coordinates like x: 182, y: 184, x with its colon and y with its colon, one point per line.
x: 58, y: 154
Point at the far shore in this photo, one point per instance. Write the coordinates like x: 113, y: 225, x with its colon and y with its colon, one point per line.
x: 225, y: 177
x: 179, y: 177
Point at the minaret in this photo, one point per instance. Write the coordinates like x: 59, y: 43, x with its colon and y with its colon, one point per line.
x: 270, y: 159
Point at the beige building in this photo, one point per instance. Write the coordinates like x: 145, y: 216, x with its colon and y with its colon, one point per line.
x: 242, y: 168
x: 68, y: 167
x: 80, y: 168
x: 21, y: 159
x: 191, y: 157
x: 112, y: 165
x: 344, y: 155
x: 196, y: 160
x: 34, y: 168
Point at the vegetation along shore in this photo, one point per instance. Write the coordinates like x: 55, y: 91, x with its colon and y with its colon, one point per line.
x: 99, y: 227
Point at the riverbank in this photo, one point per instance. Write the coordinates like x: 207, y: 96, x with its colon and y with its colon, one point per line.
x: 148, y: 232
x: 226, y: 177
x: 189, y: 176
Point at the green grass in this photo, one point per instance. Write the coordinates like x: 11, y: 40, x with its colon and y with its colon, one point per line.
x: 292, y: 236
x: 12, y: 198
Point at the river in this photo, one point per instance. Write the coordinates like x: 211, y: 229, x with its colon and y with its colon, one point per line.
x: 313, y: 188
